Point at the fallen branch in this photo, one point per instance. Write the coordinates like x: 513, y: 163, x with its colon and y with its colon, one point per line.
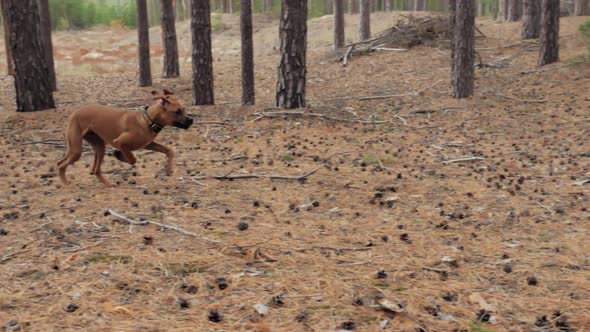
x: 458, y: 160
x: 414, y: 93
x: 315, y: 115
x: 345, y: 60
x: 523, y: 100
x: 255, y: 176
x: 169, y: 227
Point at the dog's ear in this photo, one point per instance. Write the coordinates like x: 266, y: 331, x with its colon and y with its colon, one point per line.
x: 154, y: 93
x: 163, y: 101
x: 167, y: 93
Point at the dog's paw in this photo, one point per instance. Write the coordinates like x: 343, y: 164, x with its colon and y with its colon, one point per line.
x: 119, y: 155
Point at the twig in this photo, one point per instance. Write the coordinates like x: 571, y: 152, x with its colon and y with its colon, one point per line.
x: 256, y: 176
x: 523, y: 100
x: 458, y: 160
x: 345, y: 60
x: 414, y: 93
x: 170, y: 227
x: 309, y: 114
x: 44, y: 212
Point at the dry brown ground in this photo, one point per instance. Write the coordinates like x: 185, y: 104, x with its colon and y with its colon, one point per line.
x: 452, y: 239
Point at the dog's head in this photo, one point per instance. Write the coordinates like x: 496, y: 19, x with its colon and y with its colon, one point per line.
x: 172, y: 112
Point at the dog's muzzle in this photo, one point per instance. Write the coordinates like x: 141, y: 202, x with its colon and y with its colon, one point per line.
x: 184, y: 124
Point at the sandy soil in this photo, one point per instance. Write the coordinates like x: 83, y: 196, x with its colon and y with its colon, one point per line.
x: 390, y: 230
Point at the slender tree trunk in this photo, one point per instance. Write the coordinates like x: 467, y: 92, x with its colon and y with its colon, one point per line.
x: 187, y: 9
x: 9, y: 64
x: 581, y: 7
x: 531, y: 23
x: 452, y: 24
x: 365, y: 26
x: 267, y: 5
x: 442, y: 5
x: 292, y: 66
x: 225, y: 6
x: 31, y: 71
x: 419, y: 5
x: 143, y: 44
x: 464, y: 41
x: 503, y: 10
x: 171, y: 65
x: 247, y: 53
x: 353, y: 6
x: 514, y: 10
x: 549, y: 32
x: 338, y: 23
x: 202, y: 58
x: 45, y: 24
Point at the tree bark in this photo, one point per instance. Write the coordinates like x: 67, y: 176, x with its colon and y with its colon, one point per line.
x: 514, y: 10
x: 353, y: 6
x: 388, y: 5
x: 171, y: 65
x: 9, y: 64
x: 581, y: 7
x: 503, y: 10
x: 202, y: 58
x: 549, y: 32
x: 531, y: 23
x: 31, y: 71
x: 338, y: 23
x: 143, y: 44
x: 187, y: 9
x: 45, y: 25
x: 452, y: 23
x: 464, y: 43
x: 247, y: 53
x: 365, y: 26
x: 419, y: 5
x: 292, y: 65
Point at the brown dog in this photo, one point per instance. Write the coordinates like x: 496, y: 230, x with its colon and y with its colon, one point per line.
x: 124, y: 130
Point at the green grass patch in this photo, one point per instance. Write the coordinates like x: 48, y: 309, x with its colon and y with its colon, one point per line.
x: 106, y: 258
x: 479, y: 327
x: 31, y: 274
x: 184, y: 269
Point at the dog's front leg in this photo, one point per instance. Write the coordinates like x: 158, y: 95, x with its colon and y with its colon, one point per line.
x: 125, y: 153
x: 153, y: 146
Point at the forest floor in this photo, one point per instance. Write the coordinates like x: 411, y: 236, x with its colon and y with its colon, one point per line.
x: 391, y: 231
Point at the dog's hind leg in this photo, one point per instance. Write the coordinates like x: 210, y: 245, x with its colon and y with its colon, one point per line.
x: 74, y: 149
x: 99, y: 150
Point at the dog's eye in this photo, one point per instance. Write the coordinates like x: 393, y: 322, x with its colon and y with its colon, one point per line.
x: 179, y: 112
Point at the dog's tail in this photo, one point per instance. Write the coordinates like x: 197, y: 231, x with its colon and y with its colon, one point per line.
x: 73, y: 138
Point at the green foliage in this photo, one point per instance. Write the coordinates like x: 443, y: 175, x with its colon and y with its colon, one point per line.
x: 76, y: 14
x: 478, y: 327
x: 585, y: 30
x: 217, y: 22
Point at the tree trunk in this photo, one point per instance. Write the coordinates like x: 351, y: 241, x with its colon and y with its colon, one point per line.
x: 202, y: 59
x: 353, y: 6
x: 452, y: 23
x: 187, y: 9
x: 503, y: 10
x: 31, y: 71
x: 225, y: 6
x: 338, y: 23
x: 581, y: 7
x: 419, y: 5
x: 365, y: 26
x: 143, y: 44
x: 292, y: 66
x: 549, y: 32
x: 9, y: 64
x: 531, y: 23
x: 514, y: 10
x: 388, y: 5
x: 171, y: 66
x: 464, y: 43
x: 267, y: 5
x: 247, y: 53
x: 45, y: 24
